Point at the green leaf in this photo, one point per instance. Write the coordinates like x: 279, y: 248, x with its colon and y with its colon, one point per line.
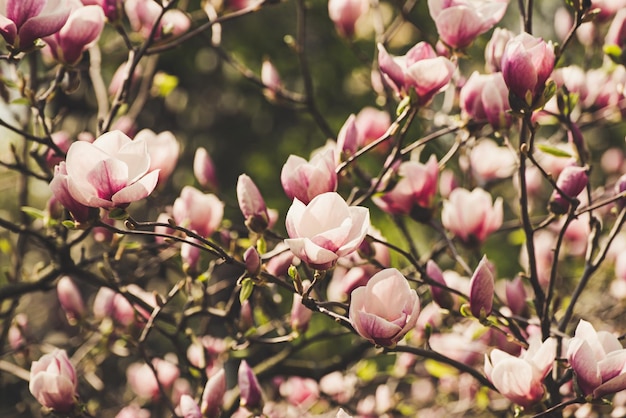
x: 21, y: 101
x: 367, y: 370
x: 261, y: 245
x: 247, y: 286
x: 557, y: 152
x: 165, y: 83
x: 33, y: 212
x: 69, y: 224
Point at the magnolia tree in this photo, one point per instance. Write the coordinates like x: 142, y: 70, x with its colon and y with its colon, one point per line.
x: 452, y: 248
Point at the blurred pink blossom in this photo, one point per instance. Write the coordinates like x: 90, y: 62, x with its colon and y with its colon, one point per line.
x: 345, y: 13
x: 471, y: 216
x: 53, y: 381
x: 197, y: 211
x: 486, y: 98
x: 204, y: 169
x: 304, y: 180
x: 163, y: 149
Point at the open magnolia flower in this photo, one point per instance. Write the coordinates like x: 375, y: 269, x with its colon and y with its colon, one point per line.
x: 110, y: 172
x: 325, y: 229
x: 385, y: 309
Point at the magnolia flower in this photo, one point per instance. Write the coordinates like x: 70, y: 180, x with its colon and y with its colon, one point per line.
x: 198, y: 211
x: 325, y: 229
x: 251, y: 395
x: 420, y: 69
x: 471, y: 216
x: 415, y: 191
x: 213, y: 395
x: 22, y: 22
x: 495, y: 48
x: 53, y: 381
x: 571, y: 181
x: 519, y: 379
x: 486, y: 98
x: 527, y: 62
x: 481, y: 289
x: 385, y: 309
x: 488, y: 161
x: 598, y: 359
x: 188, y: 407
x: 163, y: 149
x: 110, y: 172
x: 371, y: 124
x: 61, y: 191
x: 204, y: 169
x: 459, y: 22
x: 252, y: 204
x: 345, y: 13
x: 304, y: 180
x: 82, y: 29
x: 143, y: 14
x: 70, y: 298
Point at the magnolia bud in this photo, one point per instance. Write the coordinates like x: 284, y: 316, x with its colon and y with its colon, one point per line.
x: 481, y: 289
x: 252, y: 204
x: 252, y: 259
x: 204, y: 169
x: 249, y: 387
x: 213, y: 395
x: 441, y: 296
x: 571, y: 182
x: 70, y: 299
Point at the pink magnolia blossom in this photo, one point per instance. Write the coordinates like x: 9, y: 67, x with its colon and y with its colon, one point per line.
x: 607, y: 8
x: 371, y: 124
x: 516, y: 296
x: 61, y: 192
x: 385, y: 309
x: 143, y: 381
x: 415, y: 191
x: 198, y: 211
x: 471, y: 216
x: 53, y: 381
x: 16, y: 334
x: 22, y: 22
x: 251, y: 394
x: 188, y: 407
x: 481, y: 289
x: 163, y: 149
x: 527, y: 62
x: 143, y: 14
x: 110, y: 172
x: 520, y: 379
x: 270, y: 79
x: 495, y: 49
x: 300, y: 315
x: 420, y: 69
x: 598, y: 359
x: 303, y: 180
x: 348, y: 138
x: 459, y: 22
x: 204, y: 169
x: 82, y: 29
x: 325, y: 229
x: 345, y: 13
x: 440, y: 295
x: 62, y: 140
x: 213, y: 395
x: 571, y: 182
x: 489, y: 162
x: 486, y: 98
x: 252, y: 204
x: 70, y: 298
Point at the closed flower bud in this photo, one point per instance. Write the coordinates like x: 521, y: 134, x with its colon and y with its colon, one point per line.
x: 53, y: 381
x: 300, y: 315
x: 252, y: 204
x: 270, y: 79
x: 204, y: 169
x: 571, y: 182
x: 252, y: 260
x: 188, y: 407
x: 481, y: 289
x: 16, y: 335
x: 251, y: 395
x: 70, y: 299
x: 527, y: 63
x: 516, y: 296
x: 385, y: 309
x: 348, y: 138
x: 213, y: 395
x: 441, y: 296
